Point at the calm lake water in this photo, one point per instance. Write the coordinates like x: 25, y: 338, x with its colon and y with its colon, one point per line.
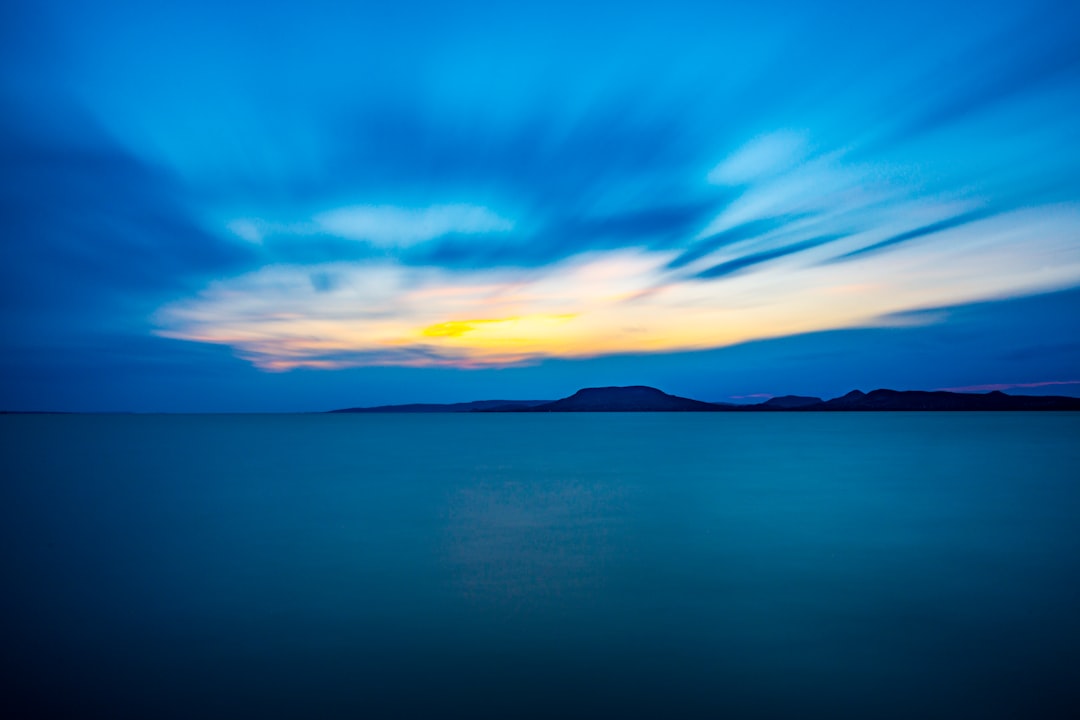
x: 892, y: 565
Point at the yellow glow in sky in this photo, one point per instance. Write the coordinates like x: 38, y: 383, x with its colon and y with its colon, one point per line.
x: 624, y: 301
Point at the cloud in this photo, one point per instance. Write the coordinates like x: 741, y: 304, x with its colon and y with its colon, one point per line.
x: 384, y: 226
x: 523, y: 326
x: 283, y: 203
x: 761, y: 158
x: 991, y: 387
x: 433, y: 186
x: 93, y: 238
x: 822, y: 196
x: 467, y: 236
x: 606, y: 302
x: 659, y: 227
x: 619, y: 171
x: 390, y: 226
x: 922, y: 231
x: 746, y: 231
x: 251, y: 230
x: 741, y: 263
x: 1027, y: 56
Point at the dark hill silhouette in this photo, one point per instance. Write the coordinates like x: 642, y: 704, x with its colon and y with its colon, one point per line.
x: 635, y: 398
x: 942, y: 400
x: 788, y: 402
x: 640, y: 398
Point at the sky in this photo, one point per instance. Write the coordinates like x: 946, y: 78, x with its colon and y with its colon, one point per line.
x: 260, y: 207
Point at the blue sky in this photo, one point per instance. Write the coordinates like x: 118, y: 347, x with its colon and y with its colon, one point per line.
x: 244, y: 206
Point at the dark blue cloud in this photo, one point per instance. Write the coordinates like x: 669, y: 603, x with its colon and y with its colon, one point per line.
x: 316, y: 249
x: 660, y: 227
x: 546, y: 160
x: 1015, y: 340
x: 134, y: 132
x: 667, y: 224
x: 94, y: 240
x: 609, y: 174
x: 922, y: 231
x: 749, y: 230
x: 746, y: 261
x: 1038, y: 49
x: 1005, y: 341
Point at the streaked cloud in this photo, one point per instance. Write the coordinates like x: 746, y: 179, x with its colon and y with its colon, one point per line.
x: 398, y: 227
x: 729, y: 267
x: 922, y: 231
x: 617, y: 301
x: 385, y: 226
x: 749, y: 230
x: 475, y: 189
x: 992, y: 387
x: 761, y: 158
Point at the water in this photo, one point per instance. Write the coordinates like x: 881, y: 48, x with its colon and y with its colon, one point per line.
x: 890, y: 565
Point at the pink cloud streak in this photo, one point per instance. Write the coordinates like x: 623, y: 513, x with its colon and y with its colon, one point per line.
x: 1009, y: 386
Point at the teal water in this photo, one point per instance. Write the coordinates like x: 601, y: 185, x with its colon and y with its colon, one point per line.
x: 890, y: 565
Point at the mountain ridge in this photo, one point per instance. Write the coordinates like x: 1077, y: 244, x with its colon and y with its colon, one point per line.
x: 631, y: 398
x: 643, y: 398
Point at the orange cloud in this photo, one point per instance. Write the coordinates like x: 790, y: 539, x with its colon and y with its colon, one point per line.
x: 455, y: 328
x: 625, y: 301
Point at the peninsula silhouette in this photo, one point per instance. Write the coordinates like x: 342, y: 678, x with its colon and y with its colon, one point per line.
x: 641, y: 398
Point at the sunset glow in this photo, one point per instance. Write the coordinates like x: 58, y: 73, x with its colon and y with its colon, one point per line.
x: 266, y: 205
x: 625, y: 301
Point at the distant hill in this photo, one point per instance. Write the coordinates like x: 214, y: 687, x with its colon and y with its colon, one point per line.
x: 640, y: 398
x: 635, y: 398
x: 942, y: 400
x: 475, y: 406
x: 788, y: 402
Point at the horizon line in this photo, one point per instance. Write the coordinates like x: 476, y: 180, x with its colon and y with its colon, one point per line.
x: 984, y: 389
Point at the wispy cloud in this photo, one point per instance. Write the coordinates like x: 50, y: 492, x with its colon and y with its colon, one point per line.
x: 760, y: 158
x: 749, y: 230
x: 386, y: 226
x: 731, y: 267
x: 618, y: 301
x: 922, y: 231
x: 991, y: 387
x: 397, y: 227
x: 762, y: 170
